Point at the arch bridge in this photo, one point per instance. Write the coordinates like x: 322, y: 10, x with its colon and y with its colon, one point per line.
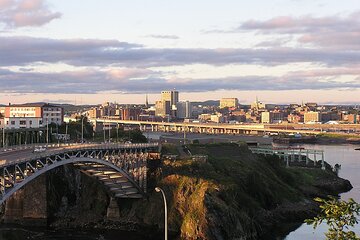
x: 122, y: 168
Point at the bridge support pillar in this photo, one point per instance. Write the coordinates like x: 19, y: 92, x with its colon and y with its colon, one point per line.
x: 28, y: 205
x: 14, y: 208
x: 113, y: 211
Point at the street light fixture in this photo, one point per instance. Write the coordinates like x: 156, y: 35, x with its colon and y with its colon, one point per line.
x: 157, y: 189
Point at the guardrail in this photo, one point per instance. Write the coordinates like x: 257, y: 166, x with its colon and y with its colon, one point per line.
x: 77, y: 147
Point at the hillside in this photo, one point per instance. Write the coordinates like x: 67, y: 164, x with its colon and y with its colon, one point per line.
x: 232, y: 195
x: 236, y: 194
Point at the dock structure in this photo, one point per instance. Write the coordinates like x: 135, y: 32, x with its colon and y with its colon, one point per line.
x: 293, y: 154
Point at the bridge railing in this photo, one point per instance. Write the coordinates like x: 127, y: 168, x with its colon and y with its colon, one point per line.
x: 56, y: 145
x: 33, y: 145
x: 78, y: 147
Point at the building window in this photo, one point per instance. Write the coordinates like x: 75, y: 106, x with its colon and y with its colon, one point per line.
x: 22, y: 122
x: 12, y: 122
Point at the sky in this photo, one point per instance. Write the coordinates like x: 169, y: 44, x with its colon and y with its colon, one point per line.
x: 92, y: 51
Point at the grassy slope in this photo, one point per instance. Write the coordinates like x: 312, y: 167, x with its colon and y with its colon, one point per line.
x: 221, y: 199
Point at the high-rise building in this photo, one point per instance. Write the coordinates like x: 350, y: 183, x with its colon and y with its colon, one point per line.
x: 229, y: 102
x: 169, y: 99
x: 162, y: 108
x: 184, y: 110
x: 171, y: 96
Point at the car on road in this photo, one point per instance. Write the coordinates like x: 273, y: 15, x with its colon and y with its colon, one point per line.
x: 39, y: 149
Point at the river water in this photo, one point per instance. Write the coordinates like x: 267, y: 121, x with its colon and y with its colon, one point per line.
x: 16, y: 233
x: 349, y: 158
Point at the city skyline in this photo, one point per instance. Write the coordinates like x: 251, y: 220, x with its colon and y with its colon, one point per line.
x: 87, y: 52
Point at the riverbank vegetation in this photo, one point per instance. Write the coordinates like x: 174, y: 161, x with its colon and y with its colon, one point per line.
x: 339, y: 215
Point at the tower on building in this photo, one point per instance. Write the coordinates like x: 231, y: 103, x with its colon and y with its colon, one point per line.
x: 147, y: 101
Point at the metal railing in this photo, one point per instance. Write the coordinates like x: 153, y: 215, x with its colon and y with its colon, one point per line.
x: 293, y: 154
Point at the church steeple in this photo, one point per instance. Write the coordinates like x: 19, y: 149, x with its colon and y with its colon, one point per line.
x: 147, y: 101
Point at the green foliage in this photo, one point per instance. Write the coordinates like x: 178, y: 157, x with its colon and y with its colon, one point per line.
x: 339, y: 216
x: 74, y: 128
x: 168, y: 148
x: 337, y: 135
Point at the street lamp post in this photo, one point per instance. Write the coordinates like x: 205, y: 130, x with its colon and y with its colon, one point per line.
x: 109, y: 124
x: 47, y: 130
x: 57, y: 134
x: 66, y: 131
x: 82, y: 129
x: 117, y: 132
x: 157, y: 189
x: 3, y: 136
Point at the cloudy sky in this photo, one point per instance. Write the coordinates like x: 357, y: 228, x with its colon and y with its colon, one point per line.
x: 91, y: 51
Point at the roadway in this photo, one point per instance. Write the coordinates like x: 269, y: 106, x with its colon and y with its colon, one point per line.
x: 14, y: 155
x: 18, y: 153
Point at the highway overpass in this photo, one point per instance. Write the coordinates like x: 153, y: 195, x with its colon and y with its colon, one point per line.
x: 210, y: 128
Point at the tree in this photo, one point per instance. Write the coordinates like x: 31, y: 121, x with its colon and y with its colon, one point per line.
x: 339, y: 216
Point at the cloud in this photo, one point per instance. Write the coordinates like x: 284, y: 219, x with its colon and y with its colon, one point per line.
x: 25, y: 13
x: 22, y: 51
x: 163, y: 36
x: 325, y: 32
x: 307, y: 23
x: 91, y: 81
